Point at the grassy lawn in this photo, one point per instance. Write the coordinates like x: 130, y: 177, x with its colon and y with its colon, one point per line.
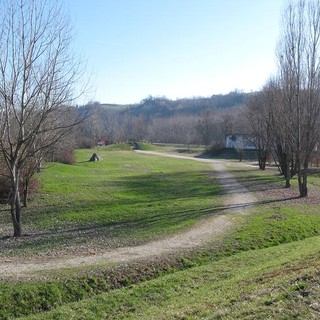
x: 266, y: 268
x: 253, y: 177
x: 126, y: 199
x: 240, y: 279
x: 276, y: 283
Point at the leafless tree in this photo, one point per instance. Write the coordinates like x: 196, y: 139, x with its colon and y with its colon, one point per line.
x: 256, y: 114
x: 299, y: 78
x: 228, y: 122
x: 37, y: 76
x: 93, y: 124
x: 138, y: 128
x: 110, y: 120
x: 205, y: 127
x: 281, y: 126
x: 159, y: 131
x: 185, y: 128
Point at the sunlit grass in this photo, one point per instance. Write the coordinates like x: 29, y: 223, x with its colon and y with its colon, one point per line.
x: 266, y: 268
x: 126, y: 199
x: 126, y: 186
x: 273, y: 283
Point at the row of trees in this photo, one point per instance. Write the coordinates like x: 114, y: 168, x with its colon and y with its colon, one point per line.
x: 285, y: 116
x: 208, y: 129
x: 37, y: 74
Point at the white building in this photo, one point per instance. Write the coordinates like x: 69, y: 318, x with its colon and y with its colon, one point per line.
x: 240, y: 141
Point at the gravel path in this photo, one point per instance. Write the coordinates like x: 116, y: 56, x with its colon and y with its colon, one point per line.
x: 236, y: 201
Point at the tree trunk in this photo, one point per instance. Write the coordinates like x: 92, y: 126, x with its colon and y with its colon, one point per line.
x: 262, y: 159
x: 16, y: 205
x: 288, y: 175
x: 18, y: 227
x: 303, y: 188
x: 240, y: 154
x: 16, y: 217
x: 302, y: 181
x: 26, y: 193
x: 282, y: 160
x: 293, y: 168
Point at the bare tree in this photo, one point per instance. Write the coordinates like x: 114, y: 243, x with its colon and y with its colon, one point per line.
x: 299, y: 74
x: 185, y: 129
x: 37, y: 74
x: 205, y: 127
x: 257, y: 116
x: 110, y: 119
x: 281, y: 126
x: 94, y: 124
x: 138, y: 128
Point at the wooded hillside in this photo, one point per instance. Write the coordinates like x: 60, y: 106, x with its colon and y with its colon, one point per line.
x: 151, y: 107
x: 196, y: 120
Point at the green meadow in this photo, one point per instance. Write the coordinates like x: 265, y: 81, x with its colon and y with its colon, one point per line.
x: 276, y: 283
x: 265, y: 267
x: 125, y: 199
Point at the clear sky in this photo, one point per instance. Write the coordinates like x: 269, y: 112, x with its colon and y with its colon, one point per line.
x: 175, y: 48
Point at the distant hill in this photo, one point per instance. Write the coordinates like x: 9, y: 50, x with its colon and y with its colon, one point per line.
x: 117, y: 107
x: 163, y: 107
x: 162, y: 119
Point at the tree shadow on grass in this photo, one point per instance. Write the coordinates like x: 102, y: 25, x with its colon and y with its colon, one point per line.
x: 108, y: 232
x: 119, y: 233
x: 257, y: 182
x: 141, y: 205
x: 147, y: 191
x: 165, y: 186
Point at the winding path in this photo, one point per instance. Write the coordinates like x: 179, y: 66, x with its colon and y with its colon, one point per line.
x: 237, y: 199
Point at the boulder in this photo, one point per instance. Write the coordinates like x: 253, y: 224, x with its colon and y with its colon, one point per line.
x: 94, y: 157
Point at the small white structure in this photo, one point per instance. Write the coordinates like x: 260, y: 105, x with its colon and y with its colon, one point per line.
x: 240, y: 141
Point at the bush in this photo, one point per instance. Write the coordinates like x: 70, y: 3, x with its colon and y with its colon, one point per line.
x: 85, y: 143
x: 5, y: 188
x: 65, y: 157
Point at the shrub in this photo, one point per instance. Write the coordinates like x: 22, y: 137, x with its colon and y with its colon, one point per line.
x: 5, y: 188
x: 65, y: 157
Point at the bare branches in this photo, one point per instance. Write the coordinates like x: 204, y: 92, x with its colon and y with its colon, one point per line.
x: 37, y: 74
x: 295, y: 109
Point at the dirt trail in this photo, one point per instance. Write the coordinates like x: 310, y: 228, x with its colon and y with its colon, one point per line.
x: 236, y: 200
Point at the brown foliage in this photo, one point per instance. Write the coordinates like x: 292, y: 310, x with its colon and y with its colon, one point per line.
x: 6, y: 186
x: 65, y: 157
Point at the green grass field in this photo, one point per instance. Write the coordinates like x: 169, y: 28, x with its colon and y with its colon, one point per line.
x: 238, y: 280
x: 276, y: 283
x: 267, y: 267
x: 125, y: 199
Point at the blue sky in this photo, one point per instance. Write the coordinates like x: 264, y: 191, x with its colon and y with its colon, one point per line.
x: 175, y: 48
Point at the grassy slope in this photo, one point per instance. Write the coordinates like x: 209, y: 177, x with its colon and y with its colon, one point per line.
x: 280, y: 282
x: 129, y: 187
x: 126, y: 199
x: 238, y: 273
